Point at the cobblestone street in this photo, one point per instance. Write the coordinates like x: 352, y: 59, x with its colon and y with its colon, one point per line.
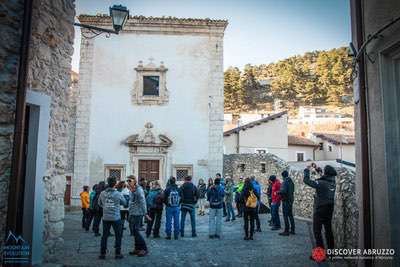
x: 268, y: 248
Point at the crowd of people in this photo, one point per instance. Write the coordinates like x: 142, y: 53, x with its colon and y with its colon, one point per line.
x: 139, y: 202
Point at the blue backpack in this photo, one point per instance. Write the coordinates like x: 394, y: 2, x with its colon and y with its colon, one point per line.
x: 174, y: 199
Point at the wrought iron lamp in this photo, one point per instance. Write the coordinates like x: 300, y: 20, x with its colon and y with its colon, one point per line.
x: 119, y: 15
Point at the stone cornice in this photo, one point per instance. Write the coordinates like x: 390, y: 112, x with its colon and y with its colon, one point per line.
x: 163, y: 25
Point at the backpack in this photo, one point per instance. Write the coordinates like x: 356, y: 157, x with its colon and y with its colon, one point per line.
x: 154, y: 200
x: 215, y: 198
x: 251, y: 201
x: 174, y: 199
x: 96, y: 206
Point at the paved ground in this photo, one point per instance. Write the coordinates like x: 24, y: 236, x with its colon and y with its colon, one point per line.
x: 268, y: 248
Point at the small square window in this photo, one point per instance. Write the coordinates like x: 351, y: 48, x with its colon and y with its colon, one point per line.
x: 300, y: 156
x: 181, y: 174
x: 321, y: 146
x: 151, y: 85
x: 330, y: 148
x: 263, y: 168
x: 242, y: 167
x: 261, y: 151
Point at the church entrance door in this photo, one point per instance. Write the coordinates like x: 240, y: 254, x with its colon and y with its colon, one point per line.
x: 149, y: 169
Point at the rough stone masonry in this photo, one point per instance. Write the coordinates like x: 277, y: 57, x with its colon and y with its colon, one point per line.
x: 49, y: 72
x: 345, y: 220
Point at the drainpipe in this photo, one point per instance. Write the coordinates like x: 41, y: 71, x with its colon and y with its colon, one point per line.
x: 365, y: 187
x: 15, y: 187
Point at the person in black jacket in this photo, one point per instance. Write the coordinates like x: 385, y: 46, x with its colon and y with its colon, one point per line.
x: 323, y: 204
x: 249, y: 214
x: 189, y: 195
x: 287, y: 194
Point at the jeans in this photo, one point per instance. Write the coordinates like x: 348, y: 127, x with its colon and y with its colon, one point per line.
x: 135, y: 221
x: 287, y: 210
x: 249, y: 216
x: 231, y: 213
x: 85, y: 218
x: 97, y: 221
x: 117, y: 226
x: 192, y: 213
x: 124, y: 217
x: 224, y: 209
x: 215, y: 222
x: 155, y: 215
x: 172, y: 213
x: 275, y: 214
x: 323, y: 217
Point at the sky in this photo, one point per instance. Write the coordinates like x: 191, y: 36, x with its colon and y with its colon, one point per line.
x: 259, y: 31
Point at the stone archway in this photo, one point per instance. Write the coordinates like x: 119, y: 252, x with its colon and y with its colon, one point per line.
x: 145, y: 147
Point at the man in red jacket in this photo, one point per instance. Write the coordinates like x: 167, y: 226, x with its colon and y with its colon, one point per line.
x: 276, y: 202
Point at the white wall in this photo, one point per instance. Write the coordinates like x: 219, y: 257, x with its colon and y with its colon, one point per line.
x: 185, y: 119
x: 271, y: 136
x: 307, y: 150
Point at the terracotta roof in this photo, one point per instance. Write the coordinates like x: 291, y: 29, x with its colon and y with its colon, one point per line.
x: 336, y: 138
x: 300, y: 141
x: 255, y: 123
x: 103, y: 18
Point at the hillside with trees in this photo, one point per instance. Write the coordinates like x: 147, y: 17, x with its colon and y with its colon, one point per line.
x: 315, y: 78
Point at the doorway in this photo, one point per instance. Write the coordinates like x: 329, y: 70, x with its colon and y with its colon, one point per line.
x: 149, y: 169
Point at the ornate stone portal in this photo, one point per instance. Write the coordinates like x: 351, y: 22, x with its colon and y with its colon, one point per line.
x: 146, y: 147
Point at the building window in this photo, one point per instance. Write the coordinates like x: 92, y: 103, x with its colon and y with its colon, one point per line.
x: 261, y: 151
x: 263, y: 168
x: 300, y: 156
x: 242, y: 167
x: 321, y: 146
x: 151, y: 85
x: 330, y: 148
x: 181, y: 171
x: 114, y: 170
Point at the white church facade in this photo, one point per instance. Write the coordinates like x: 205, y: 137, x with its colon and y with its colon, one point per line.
x: 150, y: 101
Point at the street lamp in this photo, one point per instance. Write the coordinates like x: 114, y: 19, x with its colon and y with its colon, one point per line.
x: 119, y: 15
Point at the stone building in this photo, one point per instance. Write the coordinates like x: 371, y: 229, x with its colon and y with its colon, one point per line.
x: 35, y: 57
x: 137, y: 93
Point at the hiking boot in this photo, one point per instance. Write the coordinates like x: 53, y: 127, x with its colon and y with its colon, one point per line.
x: 217, y: 236
x: 194, y: 235
x: 234, y: 219
x: 135, y: 252
x: 182, y: 235
x: 292, y: 232
x: 284, y: 233
x: 102, y: 256
x: 119, y: 256
x: 176, y: 237
x: 251, y: 238
x: 227, y: 220
x: 168, y: 237
x: 246, y: 238
x: 142, y: 253
x: 211, y: 236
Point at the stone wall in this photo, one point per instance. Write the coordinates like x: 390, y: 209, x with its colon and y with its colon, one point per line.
x: 346, y: 211
x: 51, y: 50
x: 11, y: 13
